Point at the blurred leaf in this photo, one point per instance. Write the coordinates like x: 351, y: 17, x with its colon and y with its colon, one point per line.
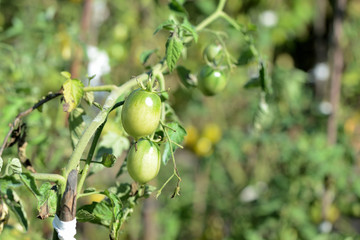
x: 96, y: 212
x: 186, y: 25
x: 89, y: 97
x: 117, y: 143
x: 174, y: 47
x: 29, y: 182
x: 90, y: 190
x: 65, y: 74
x: 16, y: 206
x: 76, y: 125
x: 264, y: 79
x: 168, y: 24
x: 252, y: 83
x: 1, y: 163
x: 177, y: 6
x: 188, y: 79
x: 176, y: 136
x: 108, y: 160
x: 8, y: 182
x: 73, y: 92
x: 15, y: 165
x: 47, y: 201
x: 145, y: 55
x: 246, y: 56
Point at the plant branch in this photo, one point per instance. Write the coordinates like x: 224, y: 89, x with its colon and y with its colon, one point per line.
x: 104, y: 88
x: 17, y: 119
x: 89, y: 157
x: 51, y: 177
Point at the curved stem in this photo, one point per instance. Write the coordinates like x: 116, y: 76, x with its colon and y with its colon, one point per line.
x: 89, y: 194
x: 212, y: 17
x: 230, y: 20
x: 89, y: 157
x: 105, y: 88
x: 49, y: 177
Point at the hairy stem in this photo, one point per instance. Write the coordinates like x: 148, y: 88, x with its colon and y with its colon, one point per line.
x: 51, y: 177
x: 104, y: 88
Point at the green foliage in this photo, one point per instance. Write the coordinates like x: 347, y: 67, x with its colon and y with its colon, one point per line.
x: 176, y: 135
x: 174, y: 47
x: 262, y: 170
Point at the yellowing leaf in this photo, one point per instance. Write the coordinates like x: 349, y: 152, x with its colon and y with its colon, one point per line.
x: 73, y: 92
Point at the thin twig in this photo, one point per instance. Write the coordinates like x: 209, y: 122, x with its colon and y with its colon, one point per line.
x: 16, y: 121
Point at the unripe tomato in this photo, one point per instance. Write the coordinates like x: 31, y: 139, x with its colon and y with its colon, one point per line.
x: 212, y: 52
x: 143, y: 161
x: 140, y: 114
x: 211, y: 81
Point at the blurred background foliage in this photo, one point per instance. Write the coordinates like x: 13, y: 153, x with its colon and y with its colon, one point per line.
x: 247, y: 174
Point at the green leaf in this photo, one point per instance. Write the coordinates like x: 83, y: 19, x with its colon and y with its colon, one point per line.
x: 89, y: 97
x: 189, y: 80
x: 15, y: 205
x: 186, y: 25
x: 108, y: 160
x: 176, y: 6
x: 252, y: 83
x: 15, y: 165
x: 65, y: 74
x: 117, y: 215
x: 246, y: 56
x: 98, y: 213
x: 115, y: 142
x: 47, y: 202
x: 168, y: 24
x: 1, y: 163
x: 7, y: 182
x: 176, y: 134
x: 29, y: 181
x: 145, y: 55
x: 73, y: 92
x: 76, y: 125
x: 265, y: 80
x: 90, y: 190
x: 174, y: 47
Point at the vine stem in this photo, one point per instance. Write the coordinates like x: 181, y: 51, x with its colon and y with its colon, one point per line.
x: 105, y: 88
x: 218, y: 12
x: 49, y: 177
x: 89, y: 157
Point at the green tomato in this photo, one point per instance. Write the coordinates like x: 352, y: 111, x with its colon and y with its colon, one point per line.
x: 211, y: 81
x: 140, y: 114
x: 143, y: 161
x: 212, y: 52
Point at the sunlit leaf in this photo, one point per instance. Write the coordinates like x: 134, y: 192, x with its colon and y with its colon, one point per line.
x: 174, y: 47
x: 73, y: 92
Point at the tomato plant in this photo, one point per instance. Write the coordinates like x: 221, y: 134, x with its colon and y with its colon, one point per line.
x: 211, y: 81
x: 143, y: 161
x: 141, y: 113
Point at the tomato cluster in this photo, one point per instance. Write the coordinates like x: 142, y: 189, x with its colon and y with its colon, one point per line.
x: 211, y: 80
x: 141, y: 117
